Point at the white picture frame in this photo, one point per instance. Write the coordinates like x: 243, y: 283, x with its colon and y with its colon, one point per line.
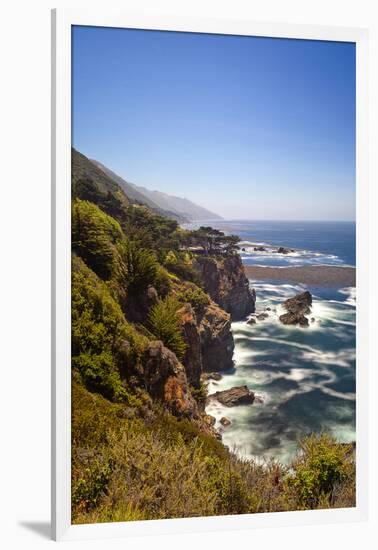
x: 62, y: 21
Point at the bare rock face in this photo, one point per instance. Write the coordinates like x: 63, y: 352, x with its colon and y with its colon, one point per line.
x: 225, y: 281
x: 192, y: 359
x: 297, y: 308
x: 166, y: 380
x: 240, y: 395
x: 137, y: 307
x: 217, y: 343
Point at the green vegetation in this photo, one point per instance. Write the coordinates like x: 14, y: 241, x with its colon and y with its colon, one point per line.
x: 105, y: 347
x: 141, y: 267
x: 94, y: 237
x: 132, y: 272
x: 164, y: 323
x: 195, y: 296
x: 321, y: 468
x: 125, y: 469
x: 214, y: 242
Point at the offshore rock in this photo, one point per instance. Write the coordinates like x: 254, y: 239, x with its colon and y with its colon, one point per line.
x: 240, y: 395
x: 225, y: 421
x: 297, y: 308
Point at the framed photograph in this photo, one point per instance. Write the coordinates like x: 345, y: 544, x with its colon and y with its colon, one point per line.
x: 210, y: 288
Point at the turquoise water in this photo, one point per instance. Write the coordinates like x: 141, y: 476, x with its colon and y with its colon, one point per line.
x: 306, y: 377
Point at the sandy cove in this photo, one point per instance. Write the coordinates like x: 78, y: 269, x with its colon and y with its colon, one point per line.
x: 323, y: 275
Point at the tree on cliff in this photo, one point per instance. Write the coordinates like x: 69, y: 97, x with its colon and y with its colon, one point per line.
x: 213, y: 241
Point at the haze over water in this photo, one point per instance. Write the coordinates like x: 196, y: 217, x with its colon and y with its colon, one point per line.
x: 305, y: 376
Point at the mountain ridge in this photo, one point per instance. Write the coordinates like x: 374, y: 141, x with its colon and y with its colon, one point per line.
x: 179, y: 206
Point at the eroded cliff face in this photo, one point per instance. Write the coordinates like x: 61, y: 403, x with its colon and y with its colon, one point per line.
x: 217, y: 342
x: 166, y: 380
x: 209, y: 340
x: 192, y: 359
x: 206, y: 329
x: 225, y: 281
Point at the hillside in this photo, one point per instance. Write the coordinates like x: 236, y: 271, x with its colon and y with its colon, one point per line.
x: 152, y: 306
x: 84, y: 169
x: 156, y: 199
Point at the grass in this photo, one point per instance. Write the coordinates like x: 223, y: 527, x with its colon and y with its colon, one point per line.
x: 127, y: 468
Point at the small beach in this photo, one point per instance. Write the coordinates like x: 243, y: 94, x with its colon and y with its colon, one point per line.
x: 320, y: 275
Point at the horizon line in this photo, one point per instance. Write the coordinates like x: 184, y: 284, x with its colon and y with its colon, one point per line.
x: 272, y: 220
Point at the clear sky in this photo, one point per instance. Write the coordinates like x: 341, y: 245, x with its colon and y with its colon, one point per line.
x: 251, y: 128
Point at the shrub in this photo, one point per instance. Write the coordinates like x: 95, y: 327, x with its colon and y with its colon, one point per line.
x: 200, y: 394
x: 195, y: 296
x: 164, y: 323
x: 185, y: 271
x: 90, y: 478
x: 100, y: 374
x: 94, y: 237
x: 105, y: 348
x: 127, y: 469
x: 141, y: 267
x: 321, y: 465
x: 162, y: 282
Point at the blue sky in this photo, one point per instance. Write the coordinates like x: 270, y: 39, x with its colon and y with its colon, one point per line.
x: 251, y: 128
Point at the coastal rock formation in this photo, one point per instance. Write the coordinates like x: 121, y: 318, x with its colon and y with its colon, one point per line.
x: 225, y: 421
x: 209, y: 340
x: 192, y: 359
x: 217, y: 343
x: 282, y: 250
x: 137, y: 306
x: 297, y: 308
x: 262, y: 316
x: 259, y: 249
x: 224, y: 279
x: 240, y: 395
x: 166, y: 380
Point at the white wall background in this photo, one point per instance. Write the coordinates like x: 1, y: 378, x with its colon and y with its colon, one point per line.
x: 25, y: 270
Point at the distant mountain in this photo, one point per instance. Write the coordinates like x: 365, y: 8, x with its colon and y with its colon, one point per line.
x: 107, y: 182
x: 82, y: 169
x: 179, y: 206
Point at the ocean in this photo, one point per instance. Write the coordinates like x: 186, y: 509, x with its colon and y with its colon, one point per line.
x: 305, y: 376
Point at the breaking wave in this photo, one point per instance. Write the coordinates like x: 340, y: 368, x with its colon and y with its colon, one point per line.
x: 305, y: 376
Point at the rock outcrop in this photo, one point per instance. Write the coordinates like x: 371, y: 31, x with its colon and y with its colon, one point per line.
x: 217, y: 343
x: 165, y: 380
x: 240, y: 395
x: 192, y: 359
x: 225, y: 281
x: 225, y: 421
x: 137, y: 306
x: 297, y: 308
x: 282, y: 250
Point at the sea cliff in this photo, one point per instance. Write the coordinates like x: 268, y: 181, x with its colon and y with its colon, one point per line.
x: 152, y: 306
